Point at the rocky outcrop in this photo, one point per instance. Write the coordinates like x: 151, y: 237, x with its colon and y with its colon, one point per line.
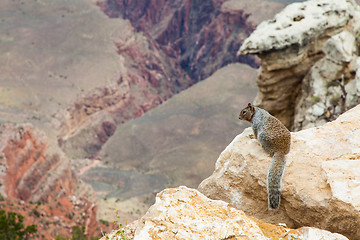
x: 203, y: 35
x: 320, y: 187
x: 309, y: 61
x: 40, y: 184
x: 184, y: 213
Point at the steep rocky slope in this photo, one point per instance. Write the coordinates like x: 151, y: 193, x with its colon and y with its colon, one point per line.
x: 320, y: 185
x: 26, y: 159
x: 183, y: 213
x: 40, y: 185
x: 309, y: 61
x: 146, y: 78
x: 70, y: 66
x: 157, y: 51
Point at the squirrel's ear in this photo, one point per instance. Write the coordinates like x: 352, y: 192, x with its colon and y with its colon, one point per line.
x: 252, y: 108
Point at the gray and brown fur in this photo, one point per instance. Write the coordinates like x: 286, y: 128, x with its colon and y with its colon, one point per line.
x: 275, y: 138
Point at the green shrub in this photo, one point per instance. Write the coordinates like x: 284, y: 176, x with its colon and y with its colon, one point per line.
x: 12, y: 227
x: 79, y: 233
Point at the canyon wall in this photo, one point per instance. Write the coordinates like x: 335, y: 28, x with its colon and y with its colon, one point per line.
x: 203, y: 35
x: 146, y: 77
x: 160, y: 54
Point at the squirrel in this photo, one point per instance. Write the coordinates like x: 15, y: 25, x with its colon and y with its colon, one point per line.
x: 275, y: 139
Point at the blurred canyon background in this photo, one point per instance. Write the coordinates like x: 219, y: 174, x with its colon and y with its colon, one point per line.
x: 105, y: 103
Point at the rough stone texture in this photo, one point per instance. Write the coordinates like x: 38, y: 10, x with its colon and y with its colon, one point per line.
x: 306, y: 51
x: 320, y: 185
x: 184, y: 213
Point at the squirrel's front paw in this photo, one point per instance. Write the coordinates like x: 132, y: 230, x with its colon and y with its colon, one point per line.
x: 252, y: 136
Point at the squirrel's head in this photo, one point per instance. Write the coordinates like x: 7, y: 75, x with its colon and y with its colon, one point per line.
x: 247, y: 113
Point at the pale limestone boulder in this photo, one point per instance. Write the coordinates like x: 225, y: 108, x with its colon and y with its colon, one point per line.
x: 184, y: 213
x: 297, y: 23
x: 306, y: 51
x: 321, y: 184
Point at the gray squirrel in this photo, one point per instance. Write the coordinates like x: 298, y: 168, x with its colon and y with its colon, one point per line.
x: 275, y: 138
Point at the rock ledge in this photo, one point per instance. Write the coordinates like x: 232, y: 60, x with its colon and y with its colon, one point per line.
x: 184, y: 213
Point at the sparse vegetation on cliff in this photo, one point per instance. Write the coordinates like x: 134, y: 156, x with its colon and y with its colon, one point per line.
x: 13, y: 228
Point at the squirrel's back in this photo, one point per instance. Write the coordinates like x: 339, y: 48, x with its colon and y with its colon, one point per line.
x: 272, y: 134
x: 275, y: 138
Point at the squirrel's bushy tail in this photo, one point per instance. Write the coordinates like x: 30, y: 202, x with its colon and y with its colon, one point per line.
x: 274, y: 179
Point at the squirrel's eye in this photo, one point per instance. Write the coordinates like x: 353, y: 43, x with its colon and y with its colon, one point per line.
x: 244, y: 112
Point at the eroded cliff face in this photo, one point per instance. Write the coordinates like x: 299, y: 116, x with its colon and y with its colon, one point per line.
x: 41, y: 185
x: 309, y: 62
x: 203, y: 35
x: 146, y: 77
x: 320, y: 187
x: 161, y: 52
x: 30, y: 172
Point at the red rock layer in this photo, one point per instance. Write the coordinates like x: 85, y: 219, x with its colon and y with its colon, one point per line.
x: 41, y: 186
x: 32, y: 172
